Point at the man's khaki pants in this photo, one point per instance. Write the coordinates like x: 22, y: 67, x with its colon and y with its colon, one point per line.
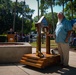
x: 64, y: 53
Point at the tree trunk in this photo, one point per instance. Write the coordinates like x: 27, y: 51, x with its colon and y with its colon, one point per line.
x: 52, y: 17
x: 14, y: 16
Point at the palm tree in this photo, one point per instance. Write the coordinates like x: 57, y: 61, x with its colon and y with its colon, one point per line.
x: 23, y: 6
x: 42, y: 6
x: 38, y: 8
x: 61, y: 3
x: 71, y: 7
x: 14, y: 15
x: 51, y: 4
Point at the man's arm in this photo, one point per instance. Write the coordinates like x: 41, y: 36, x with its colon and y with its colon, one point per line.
x: 68, y: 35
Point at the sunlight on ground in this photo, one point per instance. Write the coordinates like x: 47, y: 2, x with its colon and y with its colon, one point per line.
x: 52, y: 44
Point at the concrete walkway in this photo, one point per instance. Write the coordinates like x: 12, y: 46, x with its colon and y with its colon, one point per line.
x: 19, y: 69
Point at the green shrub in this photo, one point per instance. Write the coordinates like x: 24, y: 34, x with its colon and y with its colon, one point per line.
x: 3, y: 38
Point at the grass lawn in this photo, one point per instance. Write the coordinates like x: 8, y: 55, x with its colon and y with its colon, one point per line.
x: 52, y: 44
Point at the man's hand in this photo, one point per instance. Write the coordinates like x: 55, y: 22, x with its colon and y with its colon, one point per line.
x: 66, y: 40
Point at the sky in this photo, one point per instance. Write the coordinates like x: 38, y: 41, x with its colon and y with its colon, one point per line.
x: 33, y: 5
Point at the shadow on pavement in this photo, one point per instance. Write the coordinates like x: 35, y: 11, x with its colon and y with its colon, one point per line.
x: 73, y: 49
x: 54, y: 69
x: 57, y: 69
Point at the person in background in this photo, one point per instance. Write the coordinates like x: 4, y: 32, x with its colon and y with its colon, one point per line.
x: 15, y: 33
x: 74, y: 41
x: 23, y: 37
x: 27, y: 38
x: 31, y: 38
x: 11, y: 31
x: 62, y: 37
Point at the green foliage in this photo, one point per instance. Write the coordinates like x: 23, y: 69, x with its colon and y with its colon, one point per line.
x: 7, y: 9
x: 70, y: 10
x: 49, y: 18
x: 33, y: 27
x: 3, y: 38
